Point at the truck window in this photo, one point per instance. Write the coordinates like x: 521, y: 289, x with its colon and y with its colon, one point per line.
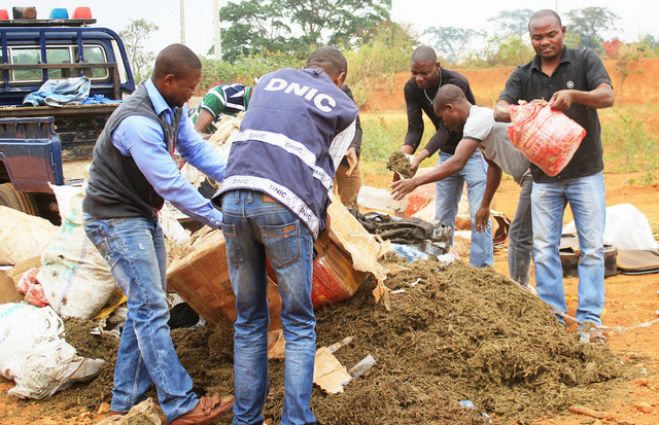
x: 59, y: 55
x: 93, y: 54
x: 55, y: 55
x: 25, y: 56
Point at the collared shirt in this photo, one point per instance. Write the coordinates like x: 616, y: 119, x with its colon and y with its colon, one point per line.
x: 492, y: 138
x: 579, y: 69
x: 142, y: 138
x: 418, y: 100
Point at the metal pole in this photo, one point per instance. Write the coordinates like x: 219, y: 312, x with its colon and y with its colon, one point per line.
x: 217, y: 37
x: 182, y: 16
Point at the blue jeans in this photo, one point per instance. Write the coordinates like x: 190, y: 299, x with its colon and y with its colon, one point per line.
x: 447, y: 200
x: 586, y: 198
x: 256, y: 226
x: 520, y: 248
x: 135, y: 250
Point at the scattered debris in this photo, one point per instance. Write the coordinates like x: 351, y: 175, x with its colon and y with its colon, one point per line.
x: 329, y: 374
x: 643, y: 407
x: 345, y: 341
x: 362, y: 367
x: 585, y: 411
x: 145, y: 413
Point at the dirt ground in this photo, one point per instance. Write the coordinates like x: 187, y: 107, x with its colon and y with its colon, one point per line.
x: 630, y: 300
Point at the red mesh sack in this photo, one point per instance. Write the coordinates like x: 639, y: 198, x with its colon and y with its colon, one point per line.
x: 31, y: 288
x: 548, y: 138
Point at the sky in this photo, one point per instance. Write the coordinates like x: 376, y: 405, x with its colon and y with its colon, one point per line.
x: 638, y: 17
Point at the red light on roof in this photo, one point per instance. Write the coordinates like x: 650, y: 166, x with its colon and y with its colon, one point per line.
x: 82, y: 13
x: 4, y: 15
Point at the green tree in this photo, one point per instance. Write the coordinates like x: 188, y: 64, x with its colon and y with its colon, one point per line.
x: 133, y: 36
x: 512, y: 22
x: 296, y: 26
x: 337, y: 22
x: 450, y: 42
x: 498, y: 51
x: 256, y: 27
x: 589, y: 23
x: 513, y: 51
x: 387, y: 53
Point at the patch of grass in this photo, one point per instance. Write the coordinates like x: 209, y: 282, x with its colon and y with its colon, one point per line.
x: 629, y: 138
x: 383, y: 134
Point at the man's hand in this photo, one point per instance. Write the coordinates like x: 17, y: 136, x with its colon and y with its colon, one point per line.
x: 414, y: 164
x: 562, y: 100
x: 353, y: 161
x: 482, y: 218
x: 402, y: 187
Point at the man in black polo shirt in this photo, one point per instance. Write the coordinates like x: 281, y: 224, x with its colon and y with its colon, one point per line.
x: 420, y: 90
x: 576, y: 83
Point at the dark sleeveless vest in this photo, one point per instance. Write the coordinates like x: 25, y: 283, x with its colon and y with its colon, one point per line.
x: 116, y: 186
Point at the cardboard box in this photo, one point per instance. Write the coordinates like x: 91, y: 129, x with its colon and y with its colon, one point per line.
x: 201, y: 277
x: 9, y: 278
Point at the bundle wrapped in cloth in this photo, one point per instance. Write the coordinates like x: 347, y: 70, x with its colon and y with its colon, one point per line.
x: 548, y: 138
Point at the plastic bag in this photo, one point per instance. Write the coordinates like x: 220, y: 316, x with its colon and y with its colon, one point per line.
x: 29, y: 286
x: 33, y: 351
x: 548, y: 138
x: 22, y: 236
x: 75, y: 277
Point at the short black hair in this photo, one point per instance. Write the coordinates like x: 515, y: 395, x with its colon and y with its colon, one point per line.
x: 448, y: 93
x: 329, y: 59
x: 544, y: 13
x: 424, y: 54
x: 176, y: 59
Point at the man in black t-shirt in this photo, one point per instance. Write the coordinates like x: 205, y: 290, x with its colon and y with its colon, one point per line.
x: 575, y: 82
x: 420, y: 90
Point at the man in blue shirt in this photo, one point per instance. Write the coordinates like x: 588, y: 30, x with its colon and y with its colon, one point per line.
x: 132, y: 173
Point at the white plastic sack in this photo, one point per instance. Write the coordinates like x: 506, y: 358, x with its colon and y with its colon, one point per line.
x: 33, y: 351
x: 171, y: 228
x: 22, y: 236
x: 627, y: 228
x: 76, y: 279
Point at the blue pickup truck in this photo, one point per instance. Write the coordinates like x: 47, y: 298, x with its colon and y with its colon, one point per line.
x: 37, y: 142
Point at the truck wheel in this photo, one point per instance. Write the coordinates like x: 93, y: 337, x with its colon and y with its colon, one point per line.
x: 10, y: 197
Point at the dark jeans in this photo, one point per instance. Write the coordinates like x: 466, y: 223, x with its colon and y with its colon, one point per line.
x: 256, y: 226
x: 520, y: 248
x: 135, y: 250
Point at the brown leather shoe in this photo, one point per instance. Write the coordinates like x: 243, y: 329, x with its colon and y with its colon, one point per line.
x: 208, y: 409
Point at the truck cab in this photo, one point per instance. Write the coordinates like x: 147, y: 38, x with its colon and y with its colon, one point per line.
x: 35, y: 141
